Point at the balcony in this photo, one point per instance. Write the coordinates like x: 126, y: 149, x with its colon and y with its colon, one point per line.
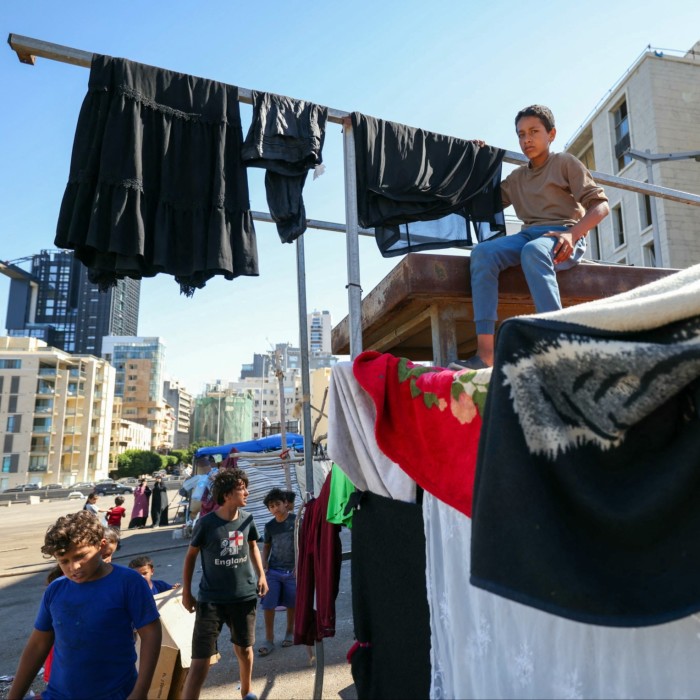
x: 48, y: 373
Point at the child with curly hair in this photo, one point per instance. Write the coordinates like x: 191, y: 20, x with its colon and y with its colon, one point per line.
x: 91, y: 599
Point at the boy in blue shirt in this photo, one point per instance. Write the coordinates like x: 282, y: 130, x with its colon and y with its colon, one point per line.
x: 144, y: 566
x: 92, y: 606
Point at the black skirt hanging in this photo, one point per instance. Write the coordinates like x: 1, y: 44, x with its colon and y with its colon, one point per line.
x: 156, y: 180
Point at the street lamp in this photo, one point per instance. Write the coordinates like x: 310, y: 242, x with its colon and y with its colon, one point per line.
x: 649, y: 159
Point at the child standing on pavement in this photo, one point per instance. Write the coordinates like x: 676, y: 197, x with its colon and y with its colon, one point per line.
x: 226, y: 539
x: 92, y: 599
x: 116, y: 513
x: 278, y: 562
x: 144, y: 566
x: 559, y: 203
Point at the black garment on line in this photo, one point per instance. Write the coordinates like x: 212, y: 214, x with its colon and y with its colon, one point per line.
x: 390, y: 599
x: 423, y: 191
x: 285, y: 138
x: 156, y: 180
x: 589, y: 510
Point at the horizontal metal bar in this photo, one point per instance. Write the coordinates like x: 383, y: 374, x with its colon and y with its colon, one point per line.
x: 28, y: 49
x: 623, y: 183
x: 313, y: 223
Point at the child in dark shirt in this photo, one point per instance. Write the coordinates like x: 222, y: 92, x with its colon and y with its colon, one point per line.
x: 144, y: 566
x: 278, y: 562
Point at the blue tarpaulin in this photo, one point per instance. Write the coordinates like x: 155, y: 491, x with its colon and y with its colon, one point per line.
x: 271, y: 442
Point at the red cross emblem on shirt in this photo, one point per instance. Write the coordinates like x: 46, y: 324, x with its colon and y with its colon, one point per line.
x: 237, y: 539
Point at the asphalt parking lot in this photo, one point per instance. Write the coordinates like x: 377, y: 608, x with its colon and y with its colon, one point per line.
x: 286, y: 673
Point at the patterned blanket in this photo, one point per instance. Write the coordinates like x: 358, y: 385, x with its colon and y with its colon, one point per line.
x: 428, y: 421
x: 589, y: 508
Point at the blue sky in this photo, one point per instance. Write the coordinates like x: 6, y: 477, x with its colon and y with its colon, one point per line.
x: 462, y: 68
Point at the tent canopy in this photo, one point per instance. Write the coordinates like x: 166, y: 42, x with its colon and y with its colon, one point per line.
x: 271, y: 442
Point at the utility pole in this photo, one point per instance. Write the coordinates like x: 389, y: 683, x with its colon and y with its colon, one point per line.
x: 279, y: 373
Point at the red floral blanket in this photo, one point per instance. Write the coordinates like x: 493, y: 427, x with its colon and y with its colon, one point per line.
x: 428, y: 421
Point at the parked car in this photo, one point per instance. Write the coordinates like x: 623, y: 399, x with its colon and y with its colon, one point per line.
x: 128, y: 480
x: 76, y: 494
x: 88, y: 485
x: 50, y: 487
x: 105, y: 488
x: 22, y: 487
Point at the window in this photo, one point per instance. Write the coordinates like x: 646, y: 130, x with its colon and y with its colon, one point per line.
x: 14, y: 385
x: 13, y: 423
x: 618, y: 227
x: 12, y: 405
x: 645, y: 220
x: 587, y: 158
x: 10, y: 364
x: 622, y: 135
x: 649, y: 254
x: 10, y: 463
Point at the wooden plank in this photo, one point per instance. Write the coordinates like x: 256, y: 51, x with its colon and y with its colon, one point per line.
x: 394, y: 312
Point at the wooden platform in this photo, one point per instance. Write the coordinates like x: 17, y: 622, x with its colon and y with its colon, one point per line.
x: 422, y: 309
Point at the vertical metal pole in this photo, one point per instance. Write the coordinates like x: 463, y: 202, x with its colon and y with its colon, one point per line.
x: 352, y: 242
x: 305, y: 380
x: 658, y: 253
x: 283, y: 416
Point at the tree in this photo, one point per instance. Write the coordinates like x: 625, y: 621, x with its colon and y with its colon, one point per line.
x: 138, y: 462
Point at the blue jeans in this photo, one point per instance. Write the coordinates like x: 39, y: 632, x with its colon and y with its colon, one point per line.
x: 534, y: 252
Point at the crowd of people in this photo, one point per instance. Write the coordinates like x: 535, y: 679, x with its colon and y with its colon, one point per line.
x: 240, y: 566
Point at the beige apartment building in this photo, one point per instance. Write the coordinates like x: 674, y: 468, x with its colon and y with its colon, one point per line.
x: 126, y: 435
x: 654, y: 107
x: 55, y: 414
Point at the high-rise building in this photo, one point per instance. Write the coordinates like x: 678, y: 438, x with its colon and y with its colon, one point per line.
x: 139, y: 366
x: 55, y: 301
x: 55, y: 414
x: 653, y: 110
x: 319, y: 328
x: 181, y: 400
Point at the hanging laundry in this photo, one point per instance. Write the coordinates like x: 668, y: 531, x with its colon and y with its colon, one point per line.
x: 485, y: 646
x: 286, y: 139
x: 341, y: 490
x: 425, y: 191
x: 428, y: 421
x: 156, y: 181
x: 389, y: 600
x: 585, y: 501
x: 351, y: 439
x: 318, y: 571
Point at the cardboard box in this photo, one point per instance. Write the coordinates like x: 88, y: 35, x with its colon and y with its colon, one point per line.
x: 176, y: 648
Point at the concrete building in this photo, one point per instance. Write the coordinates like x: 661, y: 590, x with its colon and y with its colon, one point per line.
x: 56, y: 302
x: 126, y: 435
x: 655, y: 107
x: 180, y: 399
x: 139, y: 365
x: 55, y: 414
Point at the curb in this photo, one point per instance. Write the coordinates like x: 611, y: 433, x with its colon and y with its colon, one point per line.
x: 50, y: 564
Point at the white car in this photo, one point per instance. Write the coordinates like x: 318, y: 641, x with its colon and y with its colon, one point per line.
x: 76, y: 494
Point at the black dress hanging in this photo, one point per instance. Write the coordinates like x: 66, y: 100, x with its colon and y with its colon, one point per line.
x: 156, y: 180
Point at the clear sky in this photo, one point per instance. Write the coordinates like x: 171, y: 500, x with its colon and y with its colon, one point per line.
x: 459, y: 67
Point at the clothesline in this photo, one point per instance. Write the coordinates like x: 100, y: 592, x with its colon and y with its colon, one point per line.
x: 27, y: 49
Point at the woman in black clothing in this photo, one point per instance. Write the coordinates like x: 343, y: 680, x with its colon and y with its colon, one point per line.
x: 159, y: 503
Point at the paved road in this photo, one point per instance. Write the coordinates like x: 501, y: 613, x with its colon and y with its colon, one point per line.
x: 285, y: 673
